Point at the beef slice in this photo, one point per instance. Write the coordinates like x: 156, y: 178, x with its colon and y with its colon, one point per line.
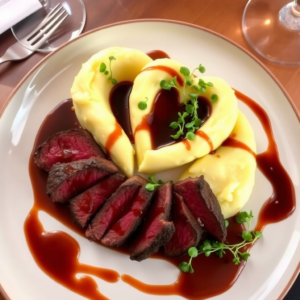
x: 65, y: 181
x: 86, y: 204
x: 124, y: 227
x: 115, y: 208
x: 156, y: 229
x: 188, y: 231
x: 66, y: 146
x: 203, y: 204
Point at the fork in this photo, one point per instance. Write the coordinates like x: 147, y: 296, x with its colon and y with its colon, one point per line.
x: 31, y: 42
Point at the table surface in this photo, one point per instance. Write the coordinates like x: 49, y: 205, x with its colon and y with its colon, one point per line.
x: 221, y: 16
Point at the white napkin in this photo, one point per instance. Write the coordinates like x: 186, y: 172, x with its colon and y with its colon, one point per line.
x: 13, y: 11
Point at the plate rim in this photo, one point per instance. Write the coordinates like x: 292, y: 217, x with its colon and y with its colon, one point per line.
x: 159, y: 20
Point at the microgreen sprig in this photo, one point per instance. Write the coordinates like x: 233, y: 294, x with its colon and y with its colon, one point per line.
x: 152, y: 184
x: 191, y: 108
x: 208, y: 246
x: 167, y: 85
x: 180, y: 125
x: 103, y: 69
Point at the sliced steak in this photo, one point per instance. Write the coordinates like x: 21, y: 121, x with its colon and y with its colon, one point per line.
x: 115, y: 208
x: 203, y: 204
x: 86, y: 204
x: 65, y: 181
x: 188, y: 231
x: 125, y: 226
x: 156, y: 230
x: 66, y: 146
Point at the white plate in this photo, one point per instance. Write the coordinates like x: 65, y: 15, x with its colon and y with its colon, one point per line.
x: 274, y: 259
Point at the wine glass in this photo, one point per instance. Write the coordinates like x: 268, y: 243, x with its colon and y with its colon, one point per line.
x: 69, y: 29
x: 272, y: 28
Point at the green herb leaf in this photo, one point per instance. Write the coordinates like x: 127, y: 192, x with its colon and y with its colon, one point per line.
x: 185, y: 71
x: 257, y: 234
x: 201, y: 69
x: 197, y: 121
x: 184, y: 267
x: 189, y: 108
x: 152, y: 184
x: 150, y: 187
x: 214, y: 98
x: 226, y: 223
x: 190, y: 136
x: 236, y: 260
x: 142, y: 105
x: 244, y: 255
x: 177, y: 135
x: 102, y: 67
x: 174, y: 125
x: 189, y: 125
x: 193, y: 252
x: 113, y: 81
x: 247, y: 236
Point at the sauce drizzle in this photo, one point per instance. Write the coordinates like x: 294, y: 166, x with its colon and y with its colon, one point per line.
x: 230, y: 142
x: 282, y: 202
x: 112, y: 138
x: 168, y: 70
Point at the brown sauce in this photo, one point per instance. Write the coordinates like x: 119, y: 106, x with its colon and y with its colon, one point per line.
x: 112, y: 138
x: 165, y: 111
x: 157, y: 54
x: 62, y: 263
x: 282, y: 202
x: 203, y: 135
x: 168, y: 70
x: 230, y: 142
x: 119, y: 103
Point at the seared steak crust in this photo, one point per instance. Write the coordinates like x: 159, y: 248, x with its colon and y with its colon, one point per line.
x: 66, y: 146
x: 203, y: 204
x: 65, y: 181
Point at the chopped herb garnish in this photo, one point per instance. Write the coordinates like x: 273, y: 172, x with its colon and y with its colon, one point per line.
x: 209, y: 246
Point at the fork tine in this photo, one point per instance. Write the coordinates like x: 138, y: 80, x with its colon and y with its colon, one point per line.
x: 44, y: 30
x: 48, y: 17
x: 49, y: 33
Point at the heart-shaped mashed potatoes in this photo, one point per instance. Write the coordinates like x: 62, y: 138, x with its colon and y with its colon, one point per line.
x: 91, y: 91
x: 230, y: 170
x: 217, y: 127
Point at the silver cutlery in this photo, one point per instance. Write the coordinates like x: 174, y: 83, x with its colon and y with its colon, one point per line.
x: 37, y: 37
